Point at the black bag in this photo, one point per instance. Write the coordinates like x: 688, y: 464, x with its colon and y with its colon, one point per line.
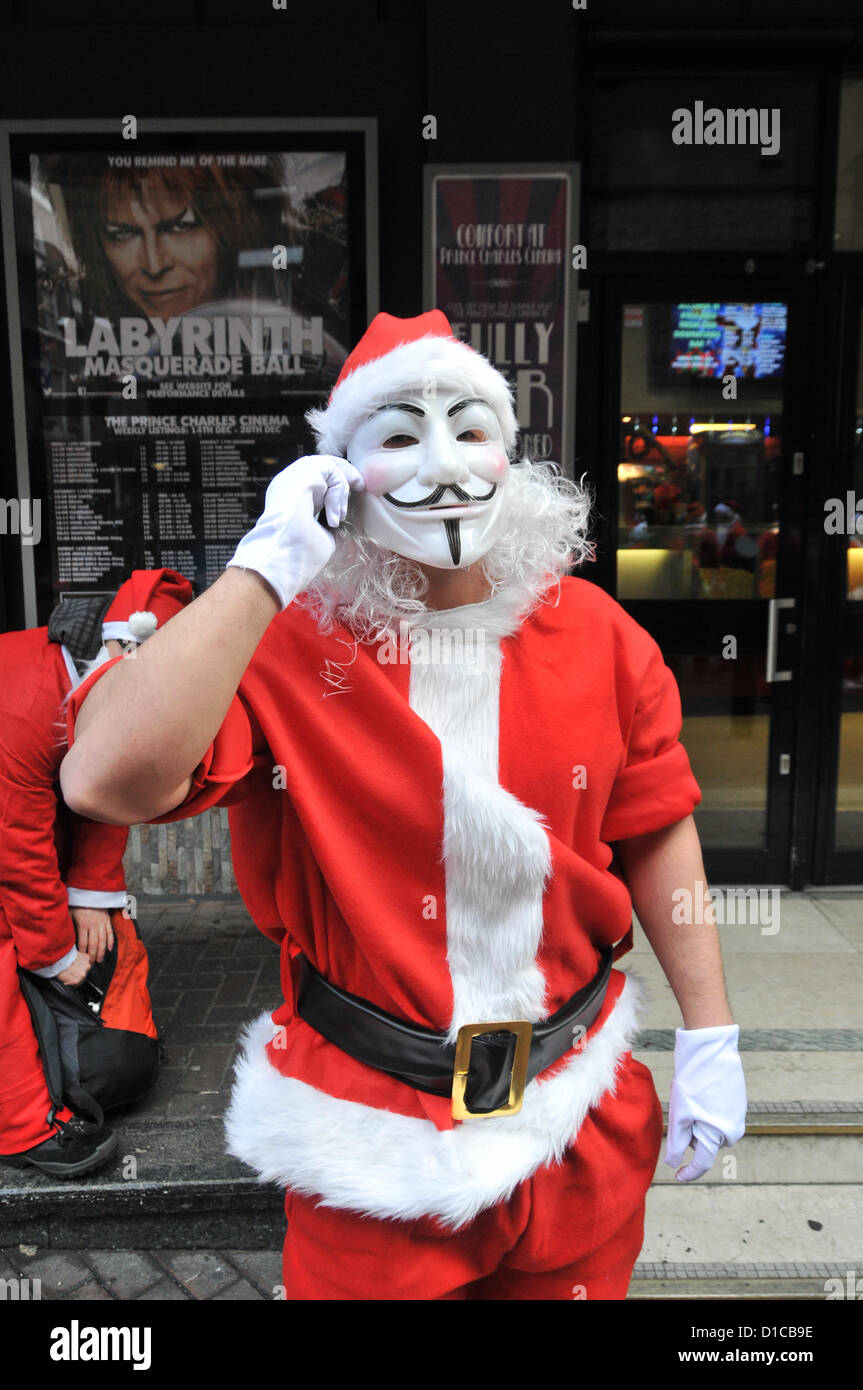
x: 94, y: 1063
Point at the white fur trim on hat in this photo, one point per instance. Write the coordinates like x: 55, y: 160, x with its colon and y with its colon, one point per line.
x: 410, y: 366
x: 115, y: 632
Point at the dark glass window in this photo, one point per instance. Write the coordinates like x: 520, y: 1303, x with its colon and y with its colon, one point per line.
x: 649, y: 193
x: 849, y: 181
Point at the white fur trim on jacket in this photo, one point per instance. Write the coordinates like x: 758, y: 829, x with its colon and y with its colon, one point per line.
x: 71, y: 668
x: 96, y: 897
x: 450, y: 364
x: 496, y: 850
x: 396, y: 1167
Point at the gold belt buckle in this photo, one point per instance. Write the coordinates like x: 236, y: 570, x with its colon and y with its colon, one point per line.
x: 518, y: 1076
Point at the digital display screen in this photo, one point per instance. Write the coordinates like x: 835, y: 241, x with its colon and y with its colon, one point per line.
x: 710, y: 341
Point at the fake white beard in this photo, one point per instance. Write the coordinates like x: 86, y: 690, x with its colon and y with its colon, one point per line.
x: 370, y: 589
x: 98, y: 660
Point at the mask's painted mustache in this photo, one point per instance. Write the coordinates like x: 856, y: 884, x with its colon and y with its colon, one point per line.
x: 438, y: 493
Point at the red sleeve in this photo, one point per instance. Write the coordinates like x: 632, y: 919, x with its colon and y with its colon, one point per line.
x: 219, y: 776
x: 31, y: 890
x: 655, y: 787
x: 220, y: 771
x: 96, y: 862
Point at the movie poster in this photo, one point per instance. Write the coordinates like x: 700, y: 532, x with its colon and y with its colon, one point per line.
x: 499, y: 259
x: 181, y: 310
x: 198, y: 276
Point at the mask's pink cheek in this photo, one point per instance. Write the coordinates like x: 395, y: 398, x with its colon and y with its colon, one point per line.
x: 498, y: 466
x: 378, y: 476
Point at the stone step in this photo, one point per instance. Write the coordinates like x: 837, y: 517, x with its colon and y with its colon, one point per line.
x: 800, y: 1117
x: 732, y: 1222
x: 785, y: 1282
x: 807, y: 976
x: 792, y: 1155
x: 829, y: 1068
x: 170, y: 1185
x: 788, y: 1140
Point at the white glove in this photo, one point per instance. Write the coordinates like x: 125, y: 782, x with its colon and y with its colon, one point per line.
x: 707, y: 1109
x: 287, y: 546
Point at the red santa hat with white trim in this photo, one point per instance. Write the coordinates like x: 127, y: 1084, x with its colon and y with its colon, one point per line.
x: 398, y: 355
x: 144, y: 603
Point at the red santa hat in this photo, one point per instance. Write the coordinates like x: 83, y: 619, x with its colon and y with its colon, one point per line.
x: 398, y: 355
x: 145, y: 602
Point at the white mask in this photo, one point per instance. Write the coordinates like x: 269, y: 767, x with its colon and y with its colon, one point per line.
x: 434, y: 479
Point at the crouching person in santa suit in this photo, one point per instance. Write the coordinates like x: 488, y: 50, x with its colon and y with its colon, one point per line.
x: 430, y: 738
x: 60, y: 875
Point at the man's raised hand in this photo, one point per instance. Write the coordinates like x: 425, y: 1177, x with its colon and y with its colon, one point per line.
x: 287, y: 546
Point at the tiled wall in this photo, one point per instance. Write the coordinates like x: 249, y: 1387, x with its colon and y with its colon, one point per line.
x: 189, y: 858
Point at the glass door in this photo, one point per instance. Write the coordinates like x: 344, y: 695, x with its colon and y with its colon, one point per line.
x: 839, y: 839
x: 707, y: 540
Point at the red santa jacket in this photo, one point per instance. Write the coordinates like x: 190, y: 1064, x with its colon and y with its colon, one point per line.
x: 48, y: 855
x: 434, y: 832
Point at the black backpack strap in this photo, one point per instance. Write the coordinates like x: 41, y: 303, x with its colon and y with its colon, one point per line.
x: 86, y: 1106
x: 52, y: 1007
x: 47, y: 1038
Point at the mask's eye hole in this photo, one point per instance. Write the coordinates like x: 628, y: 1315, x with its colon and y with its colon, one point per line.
x: 473, y: 436
x: 400, y: 441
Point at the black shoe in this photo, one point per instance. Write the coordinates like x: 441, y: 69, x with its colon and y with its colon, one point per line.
x: 76, y: 1149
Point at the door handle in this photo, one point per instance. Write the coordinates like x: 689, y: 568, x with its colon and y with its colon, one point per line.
x: 771, y: 674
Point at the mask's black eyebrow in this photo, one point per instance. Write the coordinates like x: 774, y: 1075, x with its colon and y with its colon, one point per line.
x: 417, y: 410
x: 399, y: 405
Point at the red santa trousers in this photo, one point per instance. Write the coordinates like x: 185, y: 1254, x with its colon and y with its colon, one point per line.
x: 573, y: 1230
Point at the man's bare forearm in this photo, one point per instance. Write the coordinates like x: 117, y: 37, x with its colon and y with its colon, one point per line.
x: 147, y: 722
x: 656, y: 866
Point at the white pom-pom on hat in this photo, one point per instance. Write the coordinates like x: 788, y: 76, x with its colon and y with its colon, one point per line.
x: 142, y: 625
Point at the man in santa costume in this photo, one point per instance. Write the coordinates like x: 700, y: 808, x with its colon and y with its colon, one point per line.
x: 430, y: 737
x: 60, y: 875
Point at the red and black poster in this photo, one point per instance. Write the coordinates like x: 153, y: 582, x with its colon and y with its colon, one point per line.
x: 501, y: 264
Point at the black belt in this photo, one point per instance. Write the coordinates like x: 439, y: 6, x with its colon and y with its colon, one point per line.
x: 485, y: 1071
